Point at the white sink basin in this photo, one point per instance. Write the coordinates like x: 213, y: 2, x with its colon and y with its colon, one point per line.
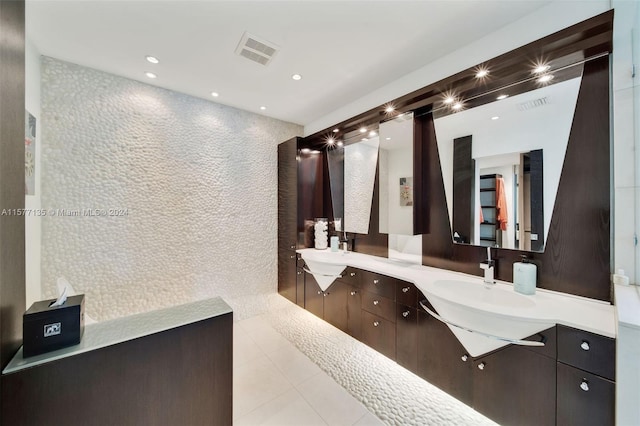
x: 486, y: 318
x: 325, y: 270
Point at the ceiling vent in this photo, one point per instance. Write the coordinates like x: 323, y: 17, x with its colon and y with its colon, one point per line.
x: 256, y: 49
x: 535, y: 103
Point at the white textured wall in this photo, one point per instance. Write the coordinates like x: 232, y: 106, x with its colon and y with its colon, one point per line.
x: 198, y: 180
x: 360, y: 160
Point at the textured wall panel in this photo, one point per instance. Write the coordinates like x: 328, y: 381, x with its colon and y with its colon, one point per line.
x: 198, y: 181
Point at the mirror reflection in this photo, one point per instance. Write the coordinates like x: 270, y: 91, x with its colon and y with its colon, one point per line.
x: 501, y: 164
x: 360, y: 162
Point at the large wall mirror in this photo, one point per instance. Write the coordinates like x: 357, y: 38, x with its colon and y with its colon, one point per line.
x: 501, y: 162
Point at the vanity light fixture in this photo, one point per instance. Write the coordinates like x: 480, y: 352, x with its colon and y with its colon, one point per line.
x: 331, y: 141
x: 152, y: 59
x: 457, y: 106
x: 482, y: 72
x: 540, y: 68
x: 363, y: 129
x: 336, y: 130
x: 340, y: 144
x: 150, y: 74
x: 372, y: 133
x: 263, y: 108
x: 215, y: 94
x: 449, y: 100
x: 296, y: 77
x: 389, y: 109
x: 545, y: 78
x: 501, y: 97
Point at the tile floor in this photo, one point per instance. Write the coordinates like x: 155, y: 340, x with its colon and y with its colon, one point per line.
x: 276, y: 384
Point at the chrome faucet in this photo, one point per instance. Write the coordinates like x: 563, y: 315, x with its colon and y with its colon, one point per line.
x: 488, y: 266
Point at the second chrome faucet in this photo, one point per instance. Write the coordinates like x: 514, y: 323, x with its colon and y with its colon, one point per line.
x: 488, y: 266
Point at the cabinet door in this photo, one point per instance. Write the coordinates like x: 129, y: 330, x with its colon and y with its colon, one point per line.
x: 515, y: 386
x: 335, y: 305
x: 287, y: 274
x: 313, y: 296
x: 442, y: 360
x: 584, y: 398
x: 407, y: 338
x: 287, y: 194
x: 379, y: 333
x: 354, y: 316
x: 300, y: 287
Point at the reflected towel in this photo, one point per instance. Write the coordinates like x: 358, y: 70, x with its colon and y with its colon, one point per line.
x: 501, y: 205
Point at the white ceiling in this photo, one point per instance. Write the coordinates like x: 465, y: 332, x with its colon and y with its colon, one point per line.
x: 343, y: 49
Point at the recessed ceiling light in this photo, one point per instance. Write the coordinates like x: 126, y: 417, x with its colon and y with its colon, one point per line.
x: 495, y: 117
x: 263, y: 108
x: 152, y: 59
x: 389, y: 109
x: 541, y: 68
x: 336, y: 130
x: 215, y: 94
x: 372, y: 133
x: 296, y: 77
x: 457, y: 106
x: 305, y: 150
x: 388, y: 139
x: 340, y: 144
x: 545, y: 78
x: 482, y: 73
x: 150, y: 74
x: 501, y: 97
x: 363, y: 129
x: 330, y: 140
x: 449, y: 100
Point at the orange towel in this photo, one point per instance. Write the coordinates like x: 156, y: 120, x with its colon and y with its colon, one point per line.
x: 501, y: 204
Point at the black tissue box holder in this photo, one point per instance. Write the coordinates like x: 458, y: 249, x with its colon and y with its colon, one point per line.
x: 46, y: 328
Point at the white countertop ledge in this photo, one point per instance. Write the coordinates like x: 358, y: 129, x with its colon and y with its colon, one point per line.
x: 112, y: 332
x: 586, y: 314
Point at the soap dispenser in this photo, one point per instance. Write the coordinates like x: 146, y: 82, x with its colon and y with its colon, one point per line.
x: 524, y: 276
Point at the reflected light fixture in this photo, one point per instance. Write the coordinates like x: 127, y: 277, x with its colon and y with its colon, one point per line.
x: 263, y: 108
x: 501, y: 97
x: 150, y: 74
x: 449, y: 99
x: 389, y: 109
x: 152, y: 59
x: 340, y: 144
x: 363, y: 129
x: 388, y: 139
x: 315, y: 151
x: 364, y: 139
x: 296, y: 77
x: 336, y: 130
x: 215, y: 94
x: 545, y: 78
x: 372, y: 133
x: 495, y: 117
x: 305, y: 150
x: 330, y: 140
x: 457, y: 106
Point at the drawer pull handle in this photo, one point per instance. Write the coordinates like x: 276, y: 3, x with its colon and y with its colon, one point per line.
x: 293, y: 256
x: 352, y: 274
x: 353, y: 293
x: 584, y: 385
x: 376, y: 282
x: 464, y: 357
x: 585, y: 345
x: 405, y: 289
x: 376, y: 302
x: 481, y: 366
x: 376, y: 323
x: 405, y: 314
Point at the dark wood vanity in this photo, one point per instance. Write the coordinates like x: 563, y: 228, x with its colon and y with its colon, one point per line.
x: 568, y: 381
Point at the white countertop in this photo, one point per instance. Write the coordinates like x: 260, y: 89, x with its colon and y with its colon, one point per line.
x: 627, y: 299
x: 107, y: 333
x: 583, y: 313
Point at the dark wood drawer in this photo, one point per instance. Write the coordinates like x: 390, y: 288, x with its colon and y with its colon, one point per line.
x: 407, y: 337
x: 379, y: 284
x: 379, y: 333
x: 351, y: 276
x: 587, y: 351
x: 584, y: 398
x: 406, y: 293
x: 379, y: 305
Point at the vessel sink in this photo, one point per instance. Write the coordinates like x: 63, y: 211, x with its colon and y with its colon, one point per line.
x: 325, y: 270
x: 485, y: 319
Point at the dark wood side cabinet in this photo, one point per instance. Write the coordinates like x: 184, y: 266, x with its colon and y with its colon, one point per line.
x: 179, y: 376
x: 287, y: 218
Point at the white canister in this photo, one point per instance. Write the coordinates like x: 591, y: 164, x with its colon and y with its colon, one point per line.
x: 524, y: 277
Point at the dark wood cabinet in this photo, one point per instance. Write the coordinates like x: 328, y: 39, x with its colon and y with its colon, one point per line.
x: 584, y: 398
x: 407, y: 337
x: 300, y: 287
x: 335, y: 305
x: 313, y: 296
x: 354, y: 316
x: 379, y: 333
x: 379, y: 305
x: 442, y: 360
x: 587, y: 351
x: 515, y: 386
x: 287, y: 218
